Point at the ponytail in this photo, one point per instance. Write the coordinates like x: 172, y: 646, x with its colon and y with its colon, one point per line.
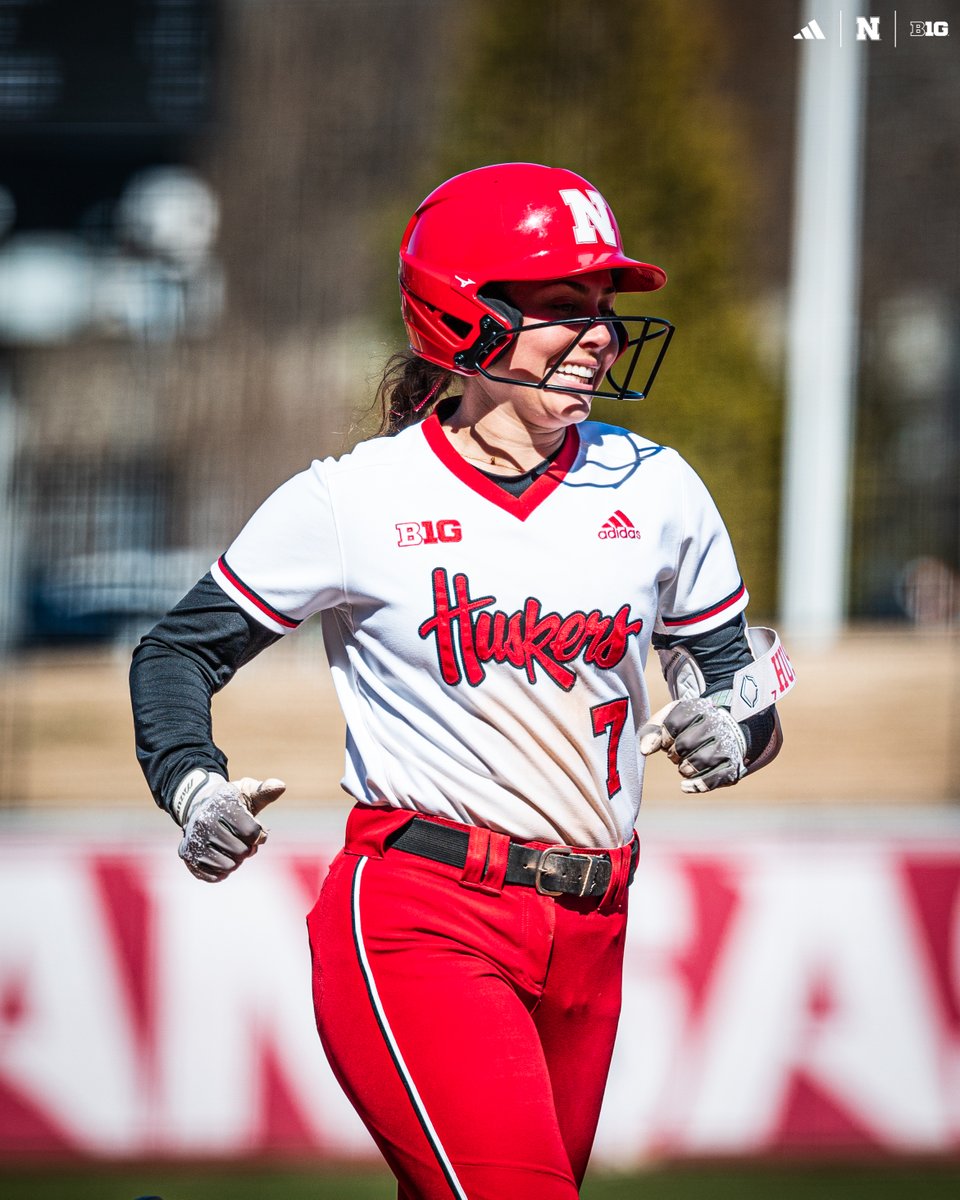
x: 409, y: 391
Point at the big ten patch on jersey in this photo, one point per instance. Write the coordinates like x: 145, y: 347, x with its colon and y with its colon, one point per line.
x: 428, y: 533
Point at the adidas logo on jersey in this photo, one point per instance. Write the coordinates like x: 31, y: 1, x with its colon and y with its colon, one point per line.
x: 618, y: 525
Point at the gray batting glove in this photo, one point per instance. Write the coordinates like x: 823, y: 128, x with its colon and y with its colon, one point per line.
x: 219, y: 823
x: 703, y: 740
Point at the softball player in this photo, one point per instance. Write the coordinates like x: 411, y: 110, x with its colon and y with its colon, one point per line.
x: 489, y: 575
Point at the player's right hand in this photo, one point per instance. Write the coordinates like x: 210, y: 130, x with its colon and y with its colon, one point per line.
x: 219, y: 823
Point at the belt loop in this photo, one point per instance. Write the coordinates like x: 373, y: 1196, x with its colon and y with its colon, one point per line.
x: 634, y: 856
x: 369, y: 829
x: 486, y: 865
x: 616, y: 892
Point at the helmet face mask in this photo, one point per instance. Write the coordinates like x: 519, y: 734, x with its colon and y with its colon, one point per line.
x: 516, y: 222
x: 633, y: 334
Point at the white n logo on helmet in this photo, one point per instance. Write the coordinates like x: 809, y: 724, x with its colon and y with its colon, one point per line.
x: 590, y: 215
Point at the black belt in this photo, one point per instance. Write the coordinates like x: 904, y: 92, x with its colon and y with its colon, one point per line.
x: 553, y: 871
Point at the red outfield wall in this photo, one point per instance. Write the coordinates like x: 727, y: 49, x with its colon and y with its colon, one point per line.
x: 782, y: 994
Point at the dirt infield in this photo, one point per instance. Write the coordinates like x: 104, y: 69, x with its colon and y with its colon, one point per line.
x: 875, y: 720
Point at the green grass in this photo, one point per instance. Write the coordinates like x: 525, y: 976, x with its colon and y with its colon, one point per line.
x: 896, y: 1181
x: 787, y: 1182
x: 195, y: 1183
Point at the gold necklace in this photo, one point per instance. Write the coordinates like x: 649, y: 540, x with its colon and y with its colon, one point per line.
x: 490, y: 459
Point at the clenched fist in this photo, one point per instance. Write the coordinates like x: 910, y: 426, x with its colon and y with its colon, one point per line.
x: 219, y: 823
x: 703, y: 740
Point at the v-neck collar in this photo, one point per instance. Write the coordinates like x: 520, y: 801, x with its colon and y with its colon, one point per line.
x: 519, y: 506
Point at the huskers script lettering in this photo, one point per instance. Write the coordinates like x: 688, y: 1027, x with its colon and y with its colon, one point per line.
x: 469, y: 632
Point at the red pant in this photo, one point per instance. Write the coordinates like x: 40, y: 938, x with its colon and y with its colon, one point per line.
x: 471, y: 1027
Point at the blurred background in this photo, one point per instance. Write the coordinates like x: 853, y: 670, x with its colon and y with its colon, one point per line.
x: 200, y: 205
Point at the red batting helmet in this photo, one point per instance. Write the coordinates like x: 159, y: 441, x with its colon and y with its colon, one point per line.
x: 504, y: 224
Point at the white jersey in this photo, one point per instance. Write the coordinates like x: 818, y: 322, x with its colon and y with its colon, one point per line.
x: 488, y: 650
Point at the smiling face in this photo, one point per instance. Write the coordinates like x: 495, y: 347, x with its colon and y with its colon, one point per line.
x: 582, y: 366
x: 577, y: 369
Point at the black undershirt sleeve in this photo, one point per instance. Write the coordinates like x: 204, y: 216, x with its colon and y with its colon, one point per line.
x: 177, y: 668
x: 720, y: 653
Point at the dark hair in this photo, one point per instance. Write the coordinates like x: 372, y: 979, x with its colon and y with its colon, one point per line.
x: 409, y: 390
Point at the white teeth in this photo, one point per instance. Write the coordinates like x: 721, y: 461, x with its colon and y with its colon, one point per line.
x: 577, y: 372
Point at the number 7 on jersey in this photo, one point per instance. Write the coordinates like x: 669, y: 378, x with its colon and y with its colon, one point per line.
x: 611, y: 717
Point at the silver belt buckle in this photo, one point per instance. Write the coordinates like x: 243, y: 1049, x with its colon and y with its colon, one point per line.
x: 567, y: 852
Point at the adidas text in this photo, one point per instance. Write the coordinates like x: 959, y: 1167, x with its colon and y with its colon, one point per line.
x: 618, y: 533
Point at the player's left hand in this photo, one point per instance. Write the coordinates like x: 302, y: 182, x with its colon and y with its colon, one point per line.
x: 703, y: 740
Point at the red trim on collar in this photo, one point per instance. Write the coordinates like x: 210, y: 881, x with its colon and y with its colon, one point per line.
x: 519, y: 506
